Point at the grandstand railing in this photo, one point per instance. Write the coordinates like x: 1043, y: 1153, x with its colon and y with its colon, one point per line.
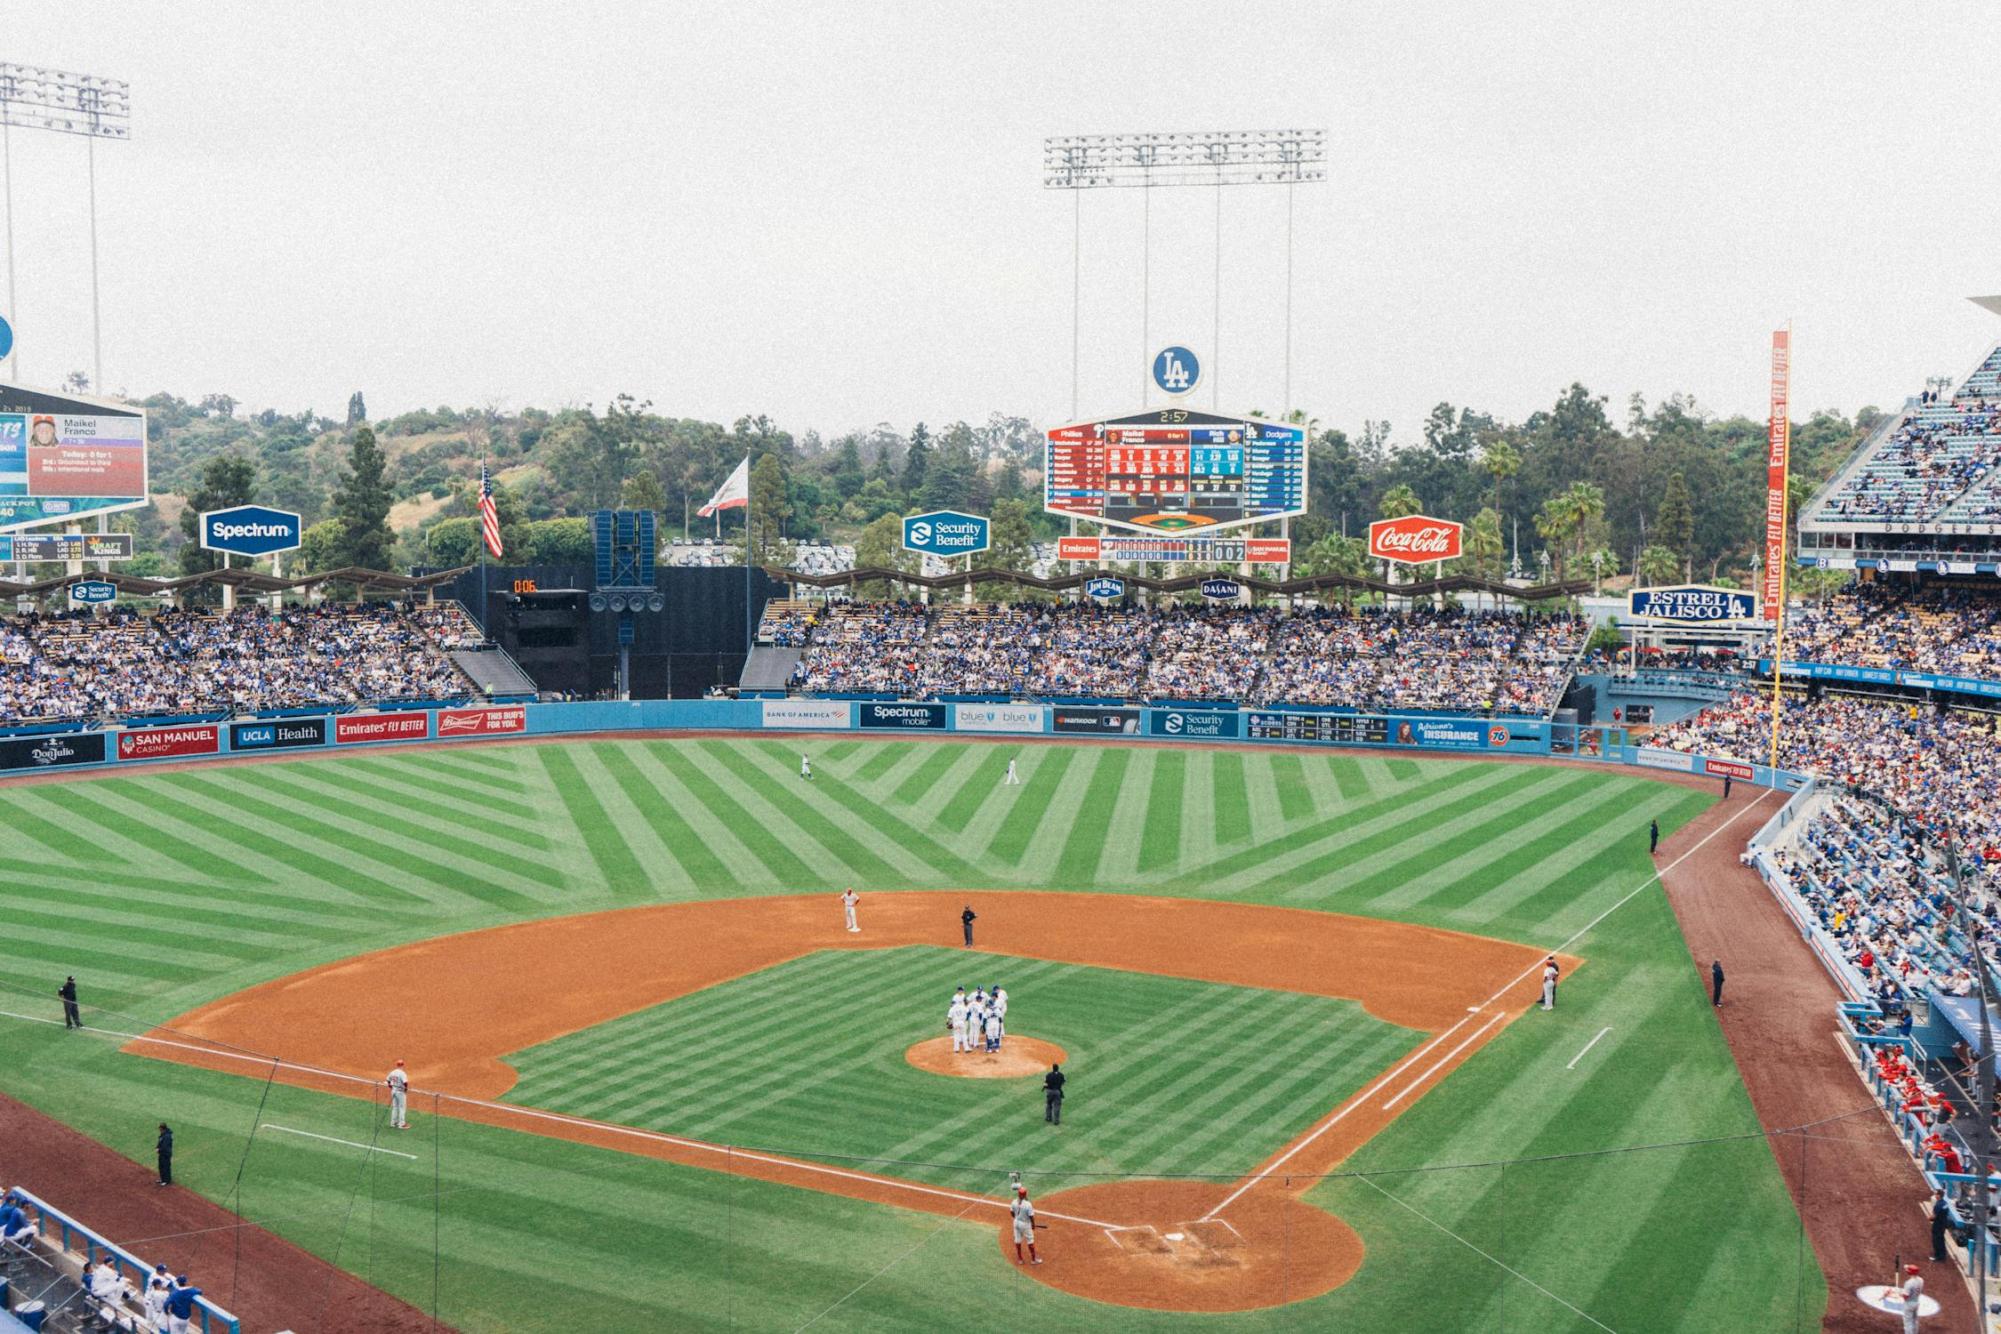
x: 68, y: 1232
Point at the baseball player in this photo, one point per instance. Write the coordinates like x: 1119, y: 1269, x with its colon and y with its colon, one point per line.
x: 181, y: 1305
x: 1913, y: 1292
x: 399, y: 1097
x: 805, y: 767
x: 993, y: 1030
x: 1024, y: 1225
x: 1549, y: 984
x: 1013, y: 779
x: 848, y: 901
x: 955, y: 1019
x: 155, y: 1297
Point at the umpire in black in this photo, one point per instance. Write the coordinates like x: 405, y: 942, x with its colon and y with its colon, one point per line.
x: 1052, y: 1095
x: 163, y: 1155
x: 72, y: 1017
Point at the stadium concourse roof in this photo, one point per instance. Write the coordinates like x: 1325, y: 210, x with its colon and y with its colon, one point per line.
x: 1457, y: 583
x: 243, y: 580
x: 1992, y: 303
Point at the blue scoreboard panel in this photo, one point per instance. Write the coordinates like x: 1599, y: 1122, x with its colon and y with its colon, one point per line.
x: 1173, y: 470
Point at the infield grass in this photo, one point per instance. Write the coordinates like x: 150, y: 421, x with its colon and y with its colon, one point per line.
x: 165, y: 890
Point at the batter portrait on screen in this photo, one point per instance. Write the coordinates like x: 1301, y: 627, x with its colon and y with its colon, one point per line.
x: 42, y: 434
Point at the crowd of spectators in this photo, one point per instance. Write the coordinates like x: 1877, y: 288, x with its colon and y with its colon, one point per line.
x: 1423, y: 659
x: 1935, y: 455
x: 449, y: 625
x: 1951, y: 630
x: 87, y: 666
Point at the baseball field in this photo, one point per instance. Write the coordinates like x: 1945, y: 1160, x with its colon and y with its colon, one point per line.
x: 1308, y: 1085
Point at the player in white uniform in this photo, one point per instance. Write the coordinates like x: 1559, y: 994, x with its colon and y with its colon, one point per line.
x: 805, y: 767
x: 1013, y: 779
x: 1024, y: 1225
x: 1549, y: 985
x: 848, y: 901
x: 1000, y: 1009
x: 993, y: 1030
x: 155, y: 1298
x: 399, y: 1098
x: 956, y: 1016
x: 1914, y: 1296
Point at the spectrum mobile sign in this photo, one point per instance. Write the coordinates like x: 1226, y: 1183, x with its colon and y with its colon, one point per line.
x: 250, y: 530
x: 1697, y: 603
x: 1415, y: 539
x: 946, y: 533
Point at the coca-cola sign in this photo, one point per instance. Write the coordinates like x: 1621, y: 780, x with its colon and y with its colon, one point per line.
x: 1415, y: 539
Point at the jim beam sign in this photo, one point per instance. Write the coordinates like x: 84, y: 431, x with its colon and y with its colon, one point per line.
x: 1415, y: 539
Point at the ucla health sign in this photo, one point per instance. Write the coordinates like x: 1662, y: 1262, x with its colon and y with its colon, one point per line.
x: 946, y: 533
x: 1691, y: 604
x: 250, y: 530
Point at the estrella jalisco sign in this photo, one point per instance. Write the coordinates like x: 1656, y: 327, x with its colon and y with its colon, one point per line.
x: 1696, y: 603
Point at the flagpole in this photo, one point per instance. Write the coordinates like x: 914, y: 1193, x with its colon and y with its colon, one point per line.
x: 481, y: 519
x: 749, y: 630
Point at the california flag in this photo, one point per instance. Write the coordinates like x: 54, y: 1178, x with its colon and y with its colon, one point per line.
x: 733, y: 494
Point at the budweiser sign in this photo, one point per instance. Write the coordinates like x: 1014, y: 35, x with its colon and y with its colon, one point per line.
x: 1415, y: 539
x: 482, y: 722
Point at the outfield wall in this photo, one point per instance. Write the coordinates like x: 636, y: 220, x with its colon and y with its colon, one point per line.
x: 1458, y: 734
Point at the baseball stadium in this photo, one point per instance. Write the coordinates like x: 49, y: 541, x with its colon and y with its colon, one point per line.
x: 1154, y: 864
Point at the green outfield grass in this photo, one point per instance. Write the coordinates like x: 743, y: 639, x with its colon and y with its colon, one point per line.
x: 164, y: 890
x: 1170, y: 1077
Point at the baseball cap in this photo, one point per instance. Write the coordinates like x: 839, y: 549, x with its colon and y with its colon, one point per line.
x: 1023, y: 1190
x: 1910, y: 1269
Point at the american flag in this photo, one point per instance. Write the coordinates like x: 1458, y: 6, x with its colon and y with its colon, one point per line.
x: 489, y: 514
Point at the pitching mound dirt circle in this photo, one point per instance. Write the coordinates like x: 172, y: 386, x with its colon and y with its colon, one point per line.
x: 1268, y: 1248
x: 1017, y: 1058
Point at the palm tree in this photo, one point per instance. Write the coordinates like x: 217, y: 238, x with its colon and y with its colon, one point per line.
x: 1502, y: 461
x: 1485, y: 545
x: 1659, y: 565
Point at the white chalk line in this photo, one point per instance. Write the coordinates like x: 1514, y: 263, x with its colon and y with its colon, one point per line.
x: 1587, y: 1047
x: 607, y: 1127
x: 1444, y: 1061
x: 1379, y: 1086
x: 1490, y: 1259
x: 371, y: 1148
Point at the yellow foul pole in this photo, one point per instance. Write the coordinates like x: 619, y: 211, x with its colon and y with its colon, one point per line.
x: 1778, y: 439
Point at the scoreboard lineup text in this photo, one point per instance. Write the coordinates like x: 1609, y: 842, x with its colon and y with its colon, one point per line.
x: 1175, y: 470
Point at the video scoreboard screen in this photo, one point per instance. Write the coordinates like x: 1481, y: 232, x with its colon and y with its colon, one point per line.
x: 1333, y: 728
x: 1172, y: 470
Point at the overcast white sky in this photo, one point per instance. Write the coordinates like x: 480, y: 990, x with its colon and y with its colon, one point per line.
x: 833, y: 213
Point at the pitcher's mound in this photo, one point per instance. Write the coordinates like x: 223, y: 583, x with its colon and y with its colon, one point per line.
x: 1018, y: 1057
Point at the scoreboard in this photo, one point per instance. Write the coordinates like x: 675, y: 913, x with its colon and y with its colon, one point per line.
x: 1172, y: 470
x: 1336, y: 728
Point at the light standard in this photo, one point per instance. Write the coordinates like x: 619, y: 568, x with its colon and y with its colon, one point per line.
x: 66, y: 103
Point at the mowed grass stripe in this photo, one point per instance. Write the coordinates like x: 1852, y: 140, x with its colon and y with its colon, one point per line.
x: 57, y: 835
x: 382, y: 768
x: 420, y: 835
x: 157, y: 927
x: 1077, y: 864
x: 1295, y: 799
x: 494, y: 772
x: 126, y: 824
x: 1160, y: 836
x: 1010, y: 842
x: 254, y: 816
x: 1231, y: 809
x: 858, y: 860
x: 696, y: 863
x: 766, y: 844
x: 1505, y: 817
x: 1347, y: 775
x: 885, y: 758
x: 919, y: 786
x: 134, y: 903
x: 603, y: 843
x: 969, y: 787
x: 1530, y: 860
x: 402, y: 794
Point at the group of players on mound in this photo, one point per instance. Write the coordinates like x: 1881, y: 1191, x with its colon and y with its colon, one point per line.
x: 977, y: 1022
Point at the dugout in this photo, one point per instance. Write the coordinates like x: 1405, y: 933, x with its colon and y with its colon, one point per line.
x: 541, y: 615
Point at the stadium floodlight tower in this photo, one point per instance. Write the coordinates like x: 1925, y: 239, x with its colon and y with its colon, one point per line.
x: 1214, y: 158
x: 65, y: 103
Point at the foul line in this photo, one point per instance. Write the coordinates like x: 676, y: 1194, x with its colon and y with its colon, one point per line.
x: 1491, y: 1260
x: 331, y: 1140
x: 1587, y: 1047
x: 1340, y: 1113
x: 606, y: 1127
x: 1443, y: 1061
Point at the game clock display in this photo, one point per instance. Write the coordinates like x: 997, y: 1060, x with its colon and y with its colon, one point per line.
x: 1172, y: 470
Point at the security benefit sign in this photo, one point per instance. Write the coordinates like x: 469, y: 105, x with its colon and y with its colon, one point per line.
x: 1692, y: 604
x: 946, y: 533
x: 1192, y: 724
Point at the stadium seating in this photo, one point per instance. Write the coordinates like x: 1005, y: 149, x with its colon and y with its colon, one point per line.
x: 1426, y: 659
x: 1942, y: 629
x: 1937, y: 464
x: 86, y: 668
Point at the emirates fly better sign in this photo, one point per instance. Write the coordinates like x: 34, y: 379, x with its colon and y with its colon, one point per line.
x: 1415, y: 539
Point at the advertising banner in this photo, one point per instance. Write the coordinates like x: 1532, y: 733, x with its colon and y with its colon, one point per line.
x: 815, y: 713
x: 482, y: 722
x: 1649, y: 758
x: 1443, y: 733
x: 1101, y: 722
x: 159, y: 743
x: 250, y: 530
x: 1778, y: 440
x: 356, y: 728
x: 52, y: 752
x: 93, y: 592
x: 66, y: 546
x: 278, y: 734
x: 1691, y: 603
x: 903, y: 715
x: 1077, y: 548
x: 1105, y: 588
x: 998, y: 717
x: 1193, y: 724
x: 1729, y: 769
x: 62, y: 457
x: 1222, y: 589
x: 1414, y: 539
x: 946, y: 533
